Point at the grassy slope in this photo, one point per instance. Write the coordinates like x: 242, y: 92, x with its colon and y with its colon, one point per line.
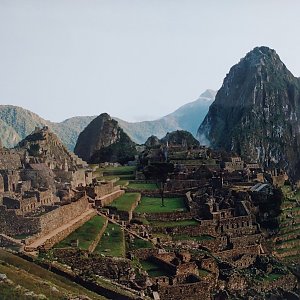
x: 34, y: 278
x: 142, y: 186
x: 112, y: 242
x: 153, y: 205
x: 85, y: 234
x: 125, y: 202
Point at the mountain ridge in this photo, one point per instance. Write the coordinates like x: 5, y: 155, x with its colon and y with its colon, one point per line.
x: 17, y: 122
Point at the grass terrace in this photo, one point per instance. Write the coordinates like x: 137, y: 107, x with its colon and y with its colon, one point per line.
x: 34, y: 278
x: 174, y: 223
x: 112, y: 242
x: 153, y: 205
x: 142, y: 186
x: 85, y: 234
x: 153, y: 269
x: 123, y: 170
x: 125, y: 202
x: 137, y: 243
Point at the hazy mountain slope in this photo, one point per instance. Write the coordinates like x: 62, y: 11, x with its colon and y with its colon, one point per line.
x: 18, y: 122
x: 69, y: 130
x: 187, y: 117
x: 8, y: 135
x: 257, y: 112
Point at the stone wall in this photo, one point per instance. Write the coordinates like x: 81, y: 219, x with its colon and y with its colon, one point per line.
x: 168, y: 216
x: 62, y: 215
x: 49, y: 243
x: 185, y: 291
x: 8, y: 242
x: 187, y: 230
x: 127, y: 215
x: 13, y: 224
x: 108, y: 199
x: 9, y: 160
x: 229, y: 254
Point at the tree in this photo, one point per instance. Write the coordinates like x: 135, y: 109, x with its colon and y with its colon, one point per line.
x: 159, y: 171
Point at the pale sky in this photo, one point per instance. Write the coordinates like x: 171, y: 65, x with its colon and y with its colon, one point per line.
x: 134, y: 59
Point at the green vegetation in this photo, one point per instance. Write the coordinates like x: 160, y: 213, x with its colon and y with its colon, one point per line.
x: 142, y: 186
x: 34, y: 278
x: 203, y: 272
x: 138, y: 244
x: 85, y: 234
x: 272, y: 277
x: 122, y: 170
x: 153, y: 269
x: 153, y: 205
x: 174, y: 223
x: 112, y: 242
x: 125, y: 202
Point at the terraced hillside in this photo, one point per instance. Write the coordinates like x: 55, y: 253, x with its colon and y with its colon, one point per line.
x: 287, y: 243
x: 21, y: 279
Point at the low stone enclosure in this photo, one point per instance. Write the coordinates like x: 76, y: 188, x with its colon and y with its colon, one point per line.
x: 54, y: 216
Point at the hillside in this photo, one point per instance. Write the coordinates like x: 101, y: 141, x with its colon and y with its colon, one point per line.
x: 256, y: 112
x: 104, y: 140
x: 16, y: 123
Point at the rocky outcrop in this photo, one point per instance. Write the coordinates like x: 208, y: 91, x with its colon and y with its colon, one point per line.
x: 152, y: 141
x: 103, y: 140
x: 256, y: 112
x: 180, y: 137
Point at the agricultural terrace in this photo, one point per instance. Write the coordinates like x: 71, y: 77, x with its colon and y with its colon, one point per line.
x: 28, y: 276
x: 153, y: 205
x: 124, y: 173
x: 85, y: 234
x: 142, y: 186
x: 125, y: 202
x: 136, y: 243
x: 153, y: 269
x: 112, y: 242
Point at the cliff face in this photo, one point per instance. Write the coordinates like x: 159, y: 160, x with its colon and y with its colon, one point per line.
x: 103, y: 140
x: 256, y: 112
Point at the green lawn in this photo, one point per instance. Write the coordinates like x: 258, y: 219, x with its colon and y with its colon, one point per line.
x: 142, y: 186
x: 153, y: 269
x: 124, y: 203
x: 85, y: 234
x: 138, y: 244
x: 112, y: 242
x: 174, y: 223
x: 118, y: 170
x: 153, y: 205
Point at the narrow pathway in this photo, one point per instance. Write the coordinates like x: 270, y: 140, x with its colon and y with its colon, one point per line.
x: 94, y: 244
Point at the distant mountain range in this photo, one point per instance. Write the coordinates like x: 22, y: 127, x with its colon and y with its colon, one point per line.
x: 16, y: 123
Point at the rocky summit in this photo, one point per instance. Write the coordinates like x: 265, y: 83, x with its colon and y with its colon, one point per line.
x: 103, y: 140
x: 256, y: 112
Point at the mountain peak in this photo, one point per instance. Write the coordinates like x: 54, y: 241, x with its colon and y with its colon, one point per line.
x: 256, y: 112
x: 208, y: 94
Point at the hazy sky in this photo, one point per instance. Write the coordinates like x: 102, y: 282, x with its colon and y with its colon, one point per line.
x: 135, y: 59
